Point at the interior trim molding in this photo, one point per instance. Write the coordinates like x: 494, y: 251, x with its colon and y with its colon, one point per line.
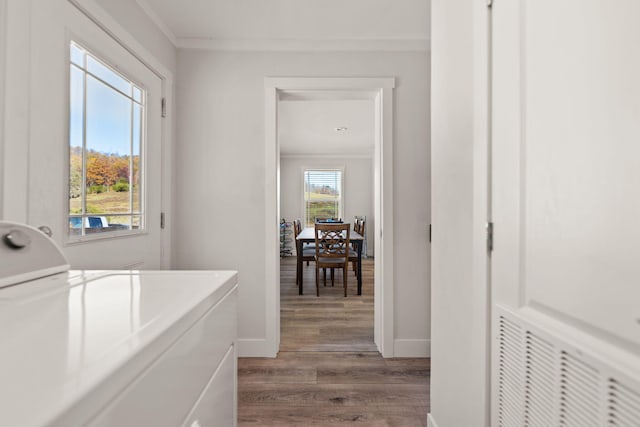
x: 326, y: 156
x: 417, y: 44
x: 255, y: 348
x: 431, y: 422
x: 384, y: 304
x: 412, y: 348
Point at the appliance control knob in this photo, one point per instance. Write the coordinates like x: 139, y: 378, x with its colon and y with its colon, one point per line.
x: 46, y: 230
x: 16, y: 239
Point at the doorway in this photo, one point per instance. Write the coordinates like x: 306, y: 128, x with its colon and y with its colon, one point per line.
x: 108, y: 221
x: 380, y: 92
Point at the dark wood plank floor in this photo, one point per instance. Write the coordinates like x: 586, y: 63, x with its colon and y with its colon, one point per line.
x: 328, y: 371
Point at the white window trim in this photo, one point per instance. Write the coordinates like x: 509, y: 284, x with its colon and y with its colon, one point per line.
x: 83, y: 238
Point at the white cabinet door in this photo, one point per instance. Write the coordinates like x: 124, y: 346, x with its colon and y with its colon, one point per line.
x: 566, y: 162
x: 54, y: 24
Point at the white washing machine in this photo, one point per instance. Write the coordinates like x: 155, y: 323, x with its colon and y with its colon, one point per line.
x: 112, y: 348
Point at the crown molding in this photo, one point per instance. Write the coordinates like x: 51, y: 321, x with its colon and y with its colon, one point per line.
x: 148, y: 10
x: 401, y: 44
x: 414, y: 44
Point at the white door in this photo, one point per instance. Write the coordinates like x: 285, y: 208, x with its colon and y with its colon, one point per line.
x: 566, y: 179
x: 95, y: 153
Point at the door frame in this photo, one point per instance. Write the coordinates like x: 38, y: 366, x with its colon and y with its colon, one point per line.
x: 382, y: 93
x: 112, y: 27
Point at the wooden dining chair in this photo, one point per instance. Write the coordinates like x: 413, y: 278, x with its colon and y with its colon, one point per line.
x: 306, y: 246
x: 332, y: 250
x: 358, y: 227
x: 308, y: 253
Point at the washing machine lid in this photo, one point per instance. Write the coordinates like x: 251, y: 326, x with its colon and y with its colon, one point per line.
x: 26, y: 254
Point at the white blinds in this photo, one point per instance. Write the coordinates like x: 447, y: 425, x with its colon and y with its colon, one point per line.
x: 322, y: 194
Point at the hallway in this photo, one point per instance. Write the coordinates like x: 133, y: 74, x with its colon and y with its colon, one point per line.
x: 328, y: 371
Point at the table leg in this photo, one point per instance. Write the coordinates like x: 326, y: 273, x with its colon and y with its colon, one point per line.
x: 299, y: 265
x: 359, y: 245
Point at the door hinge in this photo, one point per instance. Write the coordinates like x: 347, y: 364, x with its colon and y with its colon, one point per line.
x: 162, y: 220
x: 489, y: 3
x: 163, y: 107
x: 490, y: 237
x: 429, y: 233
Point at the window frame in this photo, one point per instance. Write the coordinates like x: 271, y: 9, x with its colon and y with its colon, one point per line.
x: 141, y: 214
x: 341, y: 200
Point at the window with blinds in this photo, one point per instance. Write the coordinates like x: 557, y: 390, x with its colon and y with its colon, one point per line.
x: 322, y: 194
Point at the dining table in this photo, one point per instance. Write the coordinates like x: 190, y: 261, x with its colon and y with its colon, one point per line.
x: 307, y: 235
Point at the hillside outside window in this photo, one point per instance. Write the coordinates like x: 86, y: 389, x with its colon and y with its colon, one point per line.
x: 322, y: 194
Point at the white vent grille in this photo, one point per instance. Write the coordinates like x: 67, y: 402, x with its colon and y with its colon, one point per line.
x: 510, y: 367
x: 624, y: 406
x: 539, y: 384
x: 545, y: 379
x: 579, y: 393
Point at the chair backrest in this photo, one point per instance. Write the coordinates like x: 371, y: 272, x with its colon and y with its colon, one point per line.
x: 297, y: 227
x: 332, y: 240
x: 358, y: 225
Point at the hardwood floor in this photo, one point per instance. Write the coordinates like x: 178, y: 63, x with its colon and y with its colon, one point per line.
x: 328, y: 371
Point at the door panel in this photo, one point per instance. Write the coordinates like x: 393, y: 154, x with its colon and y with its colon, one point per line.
x: 567, y: 162
x: 54, y: 24
x: 566, y: 173
x: 582, y: 162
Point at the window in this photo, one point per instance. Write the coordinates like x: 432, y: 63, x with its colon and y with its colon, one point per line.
x: 106, y: 129
x: 322, y: 194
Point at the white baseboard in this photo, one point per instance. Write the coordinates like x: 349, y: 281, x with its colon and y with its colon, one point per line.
x: 430, y: 421
x: 412, y: 348
x: 265, y: 348
x: 256, y: 348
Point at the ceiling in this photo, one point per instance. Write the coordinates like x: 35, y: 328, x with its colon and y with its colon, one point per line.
x: 292, y: 24
x: 308, y: 127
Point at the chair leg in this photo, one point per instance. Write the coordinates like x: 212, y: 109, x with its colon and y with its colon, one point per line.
x: 307, y: 263
x: 324, y: 273
x: 332, y: 275
x: 317, y: 281
x: 344, y: 278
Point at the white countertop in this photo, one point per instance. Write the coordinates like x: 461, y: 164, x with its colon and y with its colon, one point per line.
x: 64, y: 336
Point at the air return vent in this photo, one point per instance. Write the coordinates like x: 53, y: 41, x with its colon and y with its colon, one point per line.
x: 579, y: 393
x: 539, y: 383
x: 545, y: 378
x: 510, y: 367
x: 623, y: 406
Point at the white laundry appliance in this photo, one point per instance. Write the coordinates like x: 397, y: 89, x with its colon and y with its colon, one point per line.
x: 112, y: 348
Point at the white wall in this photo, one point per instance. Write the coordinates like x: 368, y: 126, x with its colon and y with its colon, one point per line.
x: 358, y: 188
x: 221, y: 167
x: 3, y: 41
x: 15, y: 125
x: 459, y: 186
